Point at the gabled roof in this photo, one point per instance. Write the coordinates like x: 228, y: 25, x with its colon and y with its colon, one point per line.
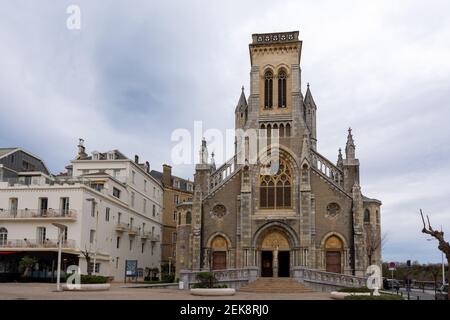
x: 4, y: 152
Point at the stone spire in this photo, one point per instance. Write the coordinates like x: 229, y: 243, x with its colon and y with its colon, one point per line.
x: 350, y: 147
x: 203, y: 153
x: 81, y: 150
x: 340, y: 161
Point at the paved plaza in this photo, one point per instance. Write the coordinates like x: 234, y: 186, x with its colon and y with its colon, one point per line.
x: 46, y: 291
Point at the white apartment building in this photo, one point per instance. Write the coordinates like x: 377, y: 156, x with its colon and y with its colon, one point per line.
x: 110, y: 205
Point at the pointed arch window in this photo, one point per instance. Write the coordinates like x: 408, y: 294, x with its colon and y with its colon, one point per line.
x: 367, y: 216
x: 188, y: 217
x: 275, y: 190
x: 268, y: 90
x: 282, y: 89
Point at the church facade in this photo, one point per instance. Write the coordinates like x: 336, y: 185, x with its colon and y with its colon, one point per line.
x: 292, y: 207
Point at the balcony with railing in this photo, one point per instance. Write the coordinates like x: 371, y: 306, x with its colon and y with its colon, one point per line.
x: 145, y: 235
x: 121, y: 226
x: 132, y: 231
x: 35, y: 214
x: 155, y: 238
x: 35, y: 244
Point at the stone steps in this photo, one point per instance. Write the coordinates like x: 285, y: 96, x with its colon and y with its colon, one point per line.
x: 276, y: 285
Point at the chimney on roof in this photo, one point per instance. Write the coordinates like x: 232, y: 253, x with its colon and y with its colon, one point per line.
x: 167, y: 175
x: 147, y: 166
x: 136, y: 159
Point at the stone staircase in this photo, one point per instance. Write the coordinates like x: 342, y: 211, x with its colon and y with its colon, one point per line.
x: 276, y: 285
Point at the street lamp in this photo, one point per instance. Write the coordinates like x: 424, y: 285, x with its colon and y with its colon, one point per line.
x: 61, y: 229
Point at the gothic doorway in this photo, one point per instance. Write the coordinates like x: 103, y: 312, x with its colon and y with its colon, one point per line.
x: 266, y: 264
x: 275, y: 253
x: 219, y: 250
x: 283, y: 264
x: 333, y: 254
x: 219, y: 260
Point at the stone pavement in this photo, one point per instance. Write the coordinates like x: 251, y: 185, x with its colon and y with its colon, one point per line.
x: 45, y: 291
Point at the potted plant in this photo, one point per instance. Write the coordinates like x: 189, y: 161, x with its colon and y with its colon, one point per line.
x: 25, y: 264
x: 89, y: 283
x: 155, y: 272
x: 207, y: 285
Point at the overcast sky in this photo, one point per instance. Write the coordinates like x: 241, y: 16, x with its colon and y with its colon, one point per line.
x: 137, y: 70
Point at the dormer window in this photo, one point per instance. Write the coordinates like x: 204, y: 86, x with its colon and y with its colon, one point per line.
x: 111, y: 155
x: 95, y: 155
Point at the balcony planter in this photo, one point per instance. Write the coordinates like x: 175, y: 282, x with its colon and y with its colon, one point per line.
x: 213, y: 292
x: 87, y: 287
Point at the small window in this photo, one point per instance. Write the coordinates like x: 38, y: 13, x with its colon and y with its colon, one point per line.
x: 176, y: 198
x: 142, y: 247
x: 132, y: 198
x: 97, y: 267
x: 91, y: 236
x: 133, y: 177
x: 188, y: 217
x: 174, y: 216
x: 118, y: 242
x: 174, y: 237
x: 117, y: 262
x: 145, y: 185
x: 116, y: 192
x: 64, y: 206
x: 92, y: 208
x: 3, y: 236
x: 367, y: 216
x: 107, y: 214
x: 131, y: 244
x: 145, y: 205
x: 154, y: 210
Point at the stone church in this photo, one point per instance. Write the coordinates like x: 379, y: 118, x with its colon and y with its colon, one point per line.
x: 309, y: 212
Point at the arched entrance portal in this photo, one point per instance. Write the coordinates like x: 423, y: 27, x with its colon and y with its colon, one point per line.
x: 219, y: 253
x: 275, y: 254
x: 333, y: 254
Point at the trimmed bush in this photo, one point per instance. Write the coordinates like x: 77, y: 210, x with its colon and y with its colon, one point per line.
x: 357, y: 290
x: 166, y: 278
x: 86, y: 279
x: 380, y: 297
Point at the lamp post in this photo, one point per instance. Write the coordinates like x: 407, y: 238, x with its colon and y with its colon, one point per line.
x: 61, y: 229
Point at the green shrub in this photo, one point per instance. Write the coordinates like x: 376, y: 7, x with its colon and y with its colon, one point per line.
x: 358, y: 290
x: 380, y: 297
x: 206, y: 280
x: 166, y: 278
x: 90, y: 279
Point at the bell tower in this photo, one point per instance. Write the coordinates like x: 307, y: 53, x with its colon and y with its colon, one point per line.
x: 275, y: 102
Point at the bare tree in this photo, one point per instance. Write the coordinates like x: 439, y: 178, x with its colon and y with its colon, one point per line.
x: 374, y: 242
x: 444, y: 246
x: 87, y: 255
